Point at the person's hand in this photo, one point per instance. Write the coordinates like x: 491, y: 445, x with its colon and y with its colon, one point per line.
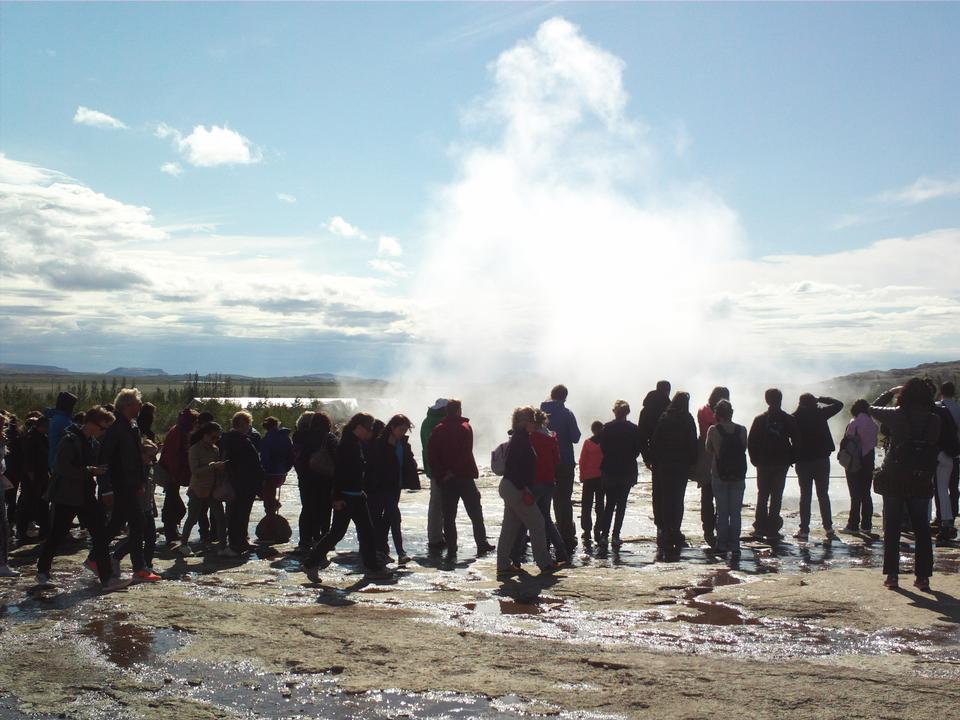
x: 339, y: 504
x: 107, y: 501
x: 528, y: 498
x: 219, y: 464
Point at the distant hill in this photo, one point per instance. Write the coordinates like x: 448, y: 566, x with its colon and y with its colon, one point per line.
x: 136, y: 372
x: 871, y: 383
x: 21, y: 369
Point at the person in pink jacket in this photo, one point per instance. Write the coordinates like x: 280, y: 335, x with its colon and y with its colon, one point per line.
x: 591, y: 456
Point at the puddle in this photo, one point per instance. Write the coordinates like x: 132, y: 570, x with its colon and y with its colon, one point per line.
x: 126, y: 644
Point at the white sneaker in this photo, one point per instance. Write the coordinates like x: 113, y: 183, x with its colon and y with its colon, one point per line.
x: 7, y: 571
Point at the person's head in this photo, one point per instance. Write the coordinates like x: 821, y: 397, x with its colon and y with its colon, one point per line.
x: 188, y: 419
x: 860, y: 407
x: 360, y: 426
x: 42, y: 424
x: 378, y: 426
x: 915, y: 394
x: 807, y: 401
x: 241, y: 421
x: 663, y: 387
x: 204, y: 418
x: 716, y: 395
x: 396, y: 428
x: 210, y: 433
x: 621, y: 408
x: 596, y: 427
x: 303, y: 422
x: 66, y: 402
x: 271, y: 423
x: 321, y: 421
x: 773, y: 398
x: 524, y: 418
x: 454, y: 408
x: 680, y: 403
x: 947, y: 390
x: 95, y: 422
x: 724, y: 410
x: 127, y: 404
x: 559, y: 392
x: 146, y: 416
x: 540, y: 418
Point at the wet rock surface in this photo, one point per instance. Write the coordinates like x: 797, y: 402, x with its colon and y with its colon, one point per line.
x: 804, y: 630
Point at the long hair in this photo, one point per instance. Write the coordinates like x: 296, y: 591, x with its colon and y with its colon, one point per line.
x: 716, y: 395
x: 360, y: 419
x: 394, y: 422
x: 915, y: 393
x: 680, y: 403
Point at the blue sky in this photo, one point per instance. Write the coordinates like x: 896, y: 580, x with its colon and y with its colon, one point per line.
x: 818, y: 129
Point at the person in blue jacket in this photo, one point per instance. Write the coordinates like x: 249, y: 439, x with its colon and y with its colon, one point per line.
x: 60, y: 417
x: 564, y: 424
x: 276, y: 457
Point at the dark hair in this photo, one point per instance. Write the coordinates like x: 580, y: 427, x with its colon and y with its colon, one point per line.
x: 321, y: 421
x: 148, y: 411
x: 209, y: 429
x: 204, y: 417
x: 947, y: 389
x: 454, y: 407
x: 723, y: 410
x: 663, y: 386
x: 559, y: 392
x: 807, y: 400
x: 680, y: 403
x: 773, y: 397
x: 378, y: 426
x: 361, y: 419
x: 915, y: 393
x: 596, y: 427
x: 716, y: 395
x: 859, y: 407
x: 271, y: 422
x: 109, y: 407
x: 98, y: 415
x: 394, y: 422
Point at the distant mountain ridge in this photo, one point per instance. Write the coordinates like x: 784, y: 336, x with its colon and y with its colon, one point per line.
x: 136, y: 372
x: 21, y: 368
x: 871, y: 383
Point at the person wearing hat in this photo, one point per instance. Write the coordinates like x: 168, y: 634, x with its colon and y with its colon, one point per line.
x: 435, y: 540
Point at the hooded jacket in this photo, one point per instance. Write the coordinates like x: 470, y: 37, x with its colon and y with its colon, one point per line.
x: 562, y: 421
x: 60, y: 417
x: 674, y: 441
x: 350, y: 476
x: 620, y: 443
x: 814, y: 440
x: 451, y: 449
x: 547, y: 449
x: 174, y: 457
x: 426, y: 427
x: 71, y: 484
x: 772, y: 440
x: 385, y: 473
x: 276, y: 451
x: 654, y: 405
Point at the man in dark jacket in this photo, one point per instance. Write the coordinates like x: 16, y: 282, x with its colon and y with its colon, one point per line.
x: 245, y: 474
x: 435, y: 413
x: 771, y: 444
x: 654, y: 405
x: 814, y: 447
x: 562, y: 421
x: 620, y: 442
x: 73, y: 493
x: 673, y: 451
x: 32, y: 507
x: 453, y: 466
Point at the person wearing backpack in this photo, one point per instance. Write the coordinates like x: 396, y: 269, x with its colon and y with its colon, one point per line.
x: 591, y: 494
x: 435, y: 540
x: 906, y: 478
x: 860, y: 443
x: 814, y: 448
x: 673, y: 453
x: 727, y: 443
x: 771, y: 445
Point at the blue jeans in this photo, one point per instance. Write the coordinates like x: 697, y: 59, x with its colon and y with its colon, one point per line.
x: 729, y: 499
x: 543, y: 494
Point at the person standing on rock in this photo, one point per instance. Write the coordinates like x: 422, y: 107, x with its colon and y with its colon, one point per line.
x: 435, y: 540
x: 245, y: 475
x: 563, y: 422
x: 703, y: 473
x: 591, y: 494
x: 862, y: 432
x: 727, y: 444
x: 453, y: 465
x: 654, y: 404
x: 393, y: 469
x: 620, y: 443
x: 772, y: 447
x: 673, y: 452
x: 175, y: 464
x: 814, y: 448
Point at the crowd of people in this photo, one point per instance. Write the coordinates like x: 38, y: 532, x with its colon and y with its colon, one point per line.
x: 101, y: 467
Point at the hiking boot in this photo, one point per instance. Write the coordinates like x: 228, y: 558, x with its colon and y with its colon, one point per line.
x: 831, y: 536
x: 312, y: 572
x: 8, y: 572
x: 228, y: 552
x: 141, y: 576
x: 379, y: 573
x: 403, y: 559
x: 485, y: 548
x: 922, y: 584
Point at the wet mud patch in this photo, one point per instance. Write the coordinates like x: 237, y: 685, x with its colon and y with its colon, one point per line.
x: 127, y: 644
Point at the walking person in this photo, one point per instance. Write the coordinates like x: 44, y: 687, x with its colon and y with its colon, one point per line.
x: 147, y: 505
x: 207, y: 470
x: 276, y: 458
x: 519, y: 504
x: 771, y: 444
x: 673, y: 452
x: 393, y: 470
x: 315, y: 463
x: 32, y: 505
x: 435, y: 539
x: 860, y: 438
x: 814, y: 448
x: 727, y: 443
x: 73, y: 494
x: 948, y: 400
x: 620, y: 442
x: 703, y: 472
x: 591, y: 493
x: 5, y: 570
x: 453, y: 465
x: 564, y: 424
x: 175, y: 471
x: 948, y: 446
x: 245, y: 476
x: 906, y: 477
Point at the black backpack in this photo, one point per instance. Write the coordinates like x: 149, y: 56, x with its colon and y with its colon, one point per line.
x: 732, y: 459
x: 908, y: 467
x: 776, y: 439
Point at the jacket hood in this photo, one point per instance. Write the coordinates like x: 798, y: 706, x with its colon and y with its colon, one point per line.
x: 432, y: 413
x: 66, y: 402
x: 552, y: 406
x: 655, y: 397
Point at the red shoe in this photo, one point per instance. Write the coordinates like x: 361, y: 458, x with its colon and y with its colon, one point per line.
x: 145, y: 576
x: 91, y: 565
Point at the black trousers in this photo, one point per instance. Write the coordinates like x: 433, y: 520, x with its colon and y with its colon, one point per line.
x: 955, y: 487
x: 31, y: 507
x: 238, y: 522
x: 563, y: 503
x: 591, y: 497
x: 616, y: 490
x: 861, y: 503
x: 121, y: 549
x: 452, y: 492
x: 916, y: 509
x: 356, y: 510
x: 669, y: 488
x: 385, y: 515
x: 771, y: 480
x: 708, y: 510
x: 93, y: 518
x: 173, y: 511
x: 316, y: 506
x: 127, y: 511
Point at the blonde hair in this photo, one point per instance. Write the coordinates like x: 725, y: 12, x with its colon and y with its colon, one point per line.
x: 127, y: 396
x: 527, y: 413
x: 240, y: 419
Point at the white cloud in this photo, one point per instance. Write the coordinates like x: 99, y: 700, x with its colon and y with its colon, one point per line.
x: 922, y: 190
x: 284, y: 197
x: 211, y: 148
x: 95, y: 118
x: 390, y: 267
x: 171, y: 168
x: 389, y: 246
x: 338, y: 226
